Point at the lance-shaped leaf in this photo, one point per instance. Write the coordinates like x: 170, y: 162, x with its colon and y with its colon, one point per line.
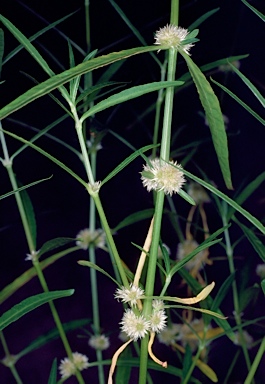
x: 214, y: 117
x: 29, y: 304
x: 56, y: 81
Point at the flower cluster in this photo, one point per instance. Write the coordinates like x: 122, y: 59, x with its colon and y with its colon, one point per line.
x: 137, y: 326
x: 163, y: 176
x: 69, y: 367
x: 86, y: 237
x: 172, y: 36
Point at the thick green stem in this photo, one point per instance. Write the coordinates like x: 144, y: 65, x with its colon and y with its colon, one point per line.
x: 164, y: 154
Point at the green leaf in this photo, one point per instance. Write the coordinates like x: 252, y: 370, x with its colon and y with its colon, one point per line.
x: 2, y: 46
x: 134, y: 218
x: 56, y: 81
x: 253, y: 89
x: 247, y: 191
x: 244, y: 105
x: 214, y: 117
x: 30, y: 215
x: 96, y: 88
x: 254, y: 10
x: 86, y: 263
x: 24, y: 187
x: 127, y: 161
x: 186, y: 197
x: 53, y: 373
x: 223, y: 290
x: 201, y: 19
x: 30, y: 304
x: 253, y: 239
x: 229, y: 201
x: 54, y: 243
x: 35, y: 36
x: 129, y: 94
x: 30, y: 273
x: 187, y: 361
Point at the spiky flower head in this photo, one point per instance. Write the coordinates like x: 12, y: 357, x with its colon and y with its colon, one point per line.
x: 99, y: 342
x: 129, y: 295
x: 68, y: 367
x: 162, y: 176
x: 158, y: 320
x: 136, y: 327
x: 86, y: 237
x: 172, y: 36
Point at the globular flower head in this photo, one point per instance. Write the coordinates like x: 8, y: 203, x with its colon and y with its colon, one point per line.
x: 87, y: 237
x: 169, y: 334
x: 198, y: 193
x: 162, y: 176
x: 260, y: 270
x: 129, y: 295
x: 68, y: 367
x: 172, y: 36
x: 248, y: 340
x: 99, y: 342
x: 186, y: 248
x: 136, y: 327
x: 158, y: 320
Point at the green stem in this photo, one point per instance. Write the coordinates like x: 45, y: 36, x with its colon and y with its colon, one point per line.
x: 230, y: 257
x: 194, y: 362
x: 32, y: 248
x: 164, y: 154
x: 255, y: 363
x: 10, y: 360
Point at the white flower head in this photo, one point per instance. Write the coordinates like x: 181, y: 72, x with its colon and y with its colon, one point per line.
x: 198, y: 193
x: 158, y: 320
x: 87, y: 237
x: 157, y: 305
x: 129, y: 295
x: 162, y: 176
x: 186, y: 248
x: 169, y: 334
x: 68, y: 367
x: 99, y: 342
x: 93, y: 189
x: 136, y: 327
x: 172, y: 36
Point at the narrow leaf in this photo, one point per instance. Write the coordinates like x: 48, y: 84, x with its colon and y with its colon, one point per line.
x: 222, y: 292
x: 263, y: 285
x: 127, y: 161
x: 24, y: 187
x: 30, y: 304
x: 247, y: 191
x: 254, y: 10
x: 129, y: 94
x: 134, y: 218
x: 97, y: 268
x: 253, y: 89
x: 229, y: 201
x: 254, y: 240
x: 214, y: 117
x: 46, y: 154
x: 54, y: 243
x: 2, y: 45
x: 244, y: 105
x: 202, y: 18
x: 56, y: 81
x: 53, y: 373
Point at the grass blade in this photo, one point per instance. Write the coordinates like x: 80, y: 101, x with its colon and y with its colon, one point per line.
x: 201, y: 19
x: 254, y: 10
x: 24, y: 187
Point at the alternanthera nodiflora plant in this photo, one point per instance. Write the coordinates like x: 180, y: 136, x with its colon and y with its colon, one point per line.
x: 145, y: 245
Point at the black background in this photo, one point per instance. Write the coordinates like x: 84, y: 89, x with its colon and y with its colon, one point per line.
x: 61, y: 205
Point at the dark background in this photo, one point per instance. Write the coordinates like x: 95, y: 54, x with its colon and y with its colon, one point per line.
x: 61, y: 205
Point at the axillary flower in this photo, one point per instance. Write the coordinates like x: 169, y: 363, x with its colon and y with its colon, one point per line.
x: 69, y: 367
x: 163, y: 176
x: 172, y: 36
